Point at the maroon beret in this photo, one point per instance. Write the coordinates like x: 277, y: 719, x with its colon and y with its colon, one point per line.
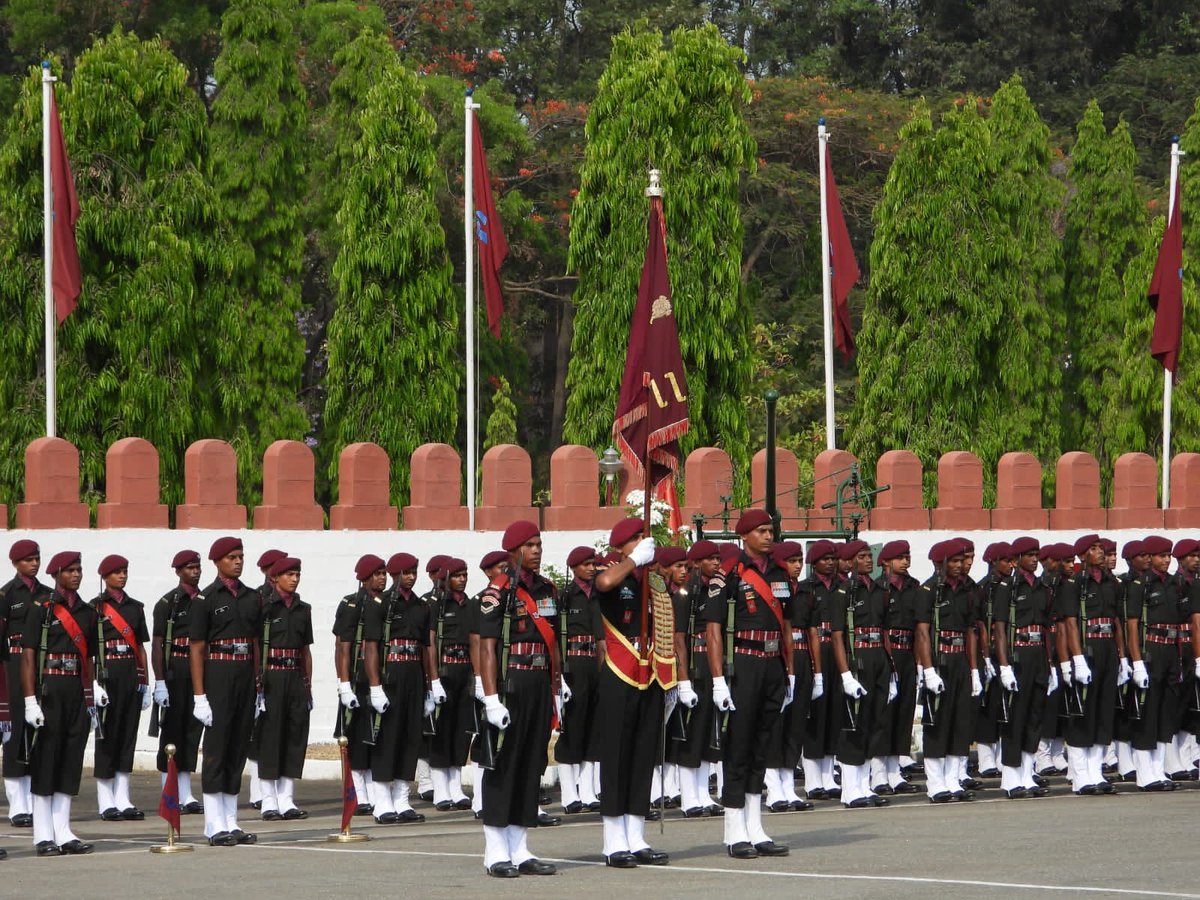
x: 851, y: 549
x: 1065, y: 552
x: 223, y: 546
x: 1025, y: 544
x: 751, y: 519
x: 269, y: 558
x: 289, y: 564
x: 820, y: 549
x: 668, y: 556
x: 1047, y: 552
x: 368, y: 565
x: 1156, y: 544
x: 786, y: 550
x: 892, y: 549
x: 436, y: 563
x: 729, y: 551
x: 703, y: 550
x: 517, y: 534
x: 62, y: 560
x: 398, y: 563
x: 1185, y: 547
x: 456, y: 565
x: 997, y: 550
x: 966, y: 544
x: 1084, y: 543
x: 23, y: 549
x: 944, y: 550
x: 493, y: 558
x: 1109, y: 545
x: 579, y: 556
x: 112, y: 563
x: 185, y: 558
x: 624, y: 532
x: 1132, y: 549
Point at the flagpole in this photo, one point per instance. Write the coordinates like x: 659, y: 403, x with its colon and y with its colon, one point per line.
x: 48, y: 248
x: 469, y: 107
x: 1168, y: 375
x: 826, y: 285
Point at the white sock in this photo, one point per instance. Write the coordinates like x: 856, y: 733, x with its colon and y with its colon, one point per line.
x: 1058, y: 753
x: 1160, y: 760
x: 812, y: 774
x: 688, y: 797
x: 214, y: 814
x: 754, y: 825
x: 787, y: 781
x: 1077, y: 772
x: 381, y: 798
x: 1095, y: 764
x: 720, y: 771
x: 985, y: 756
x: 269, y: 791
x: 424, y: 781
x: 104, y: 794
x: 568, y: 776
x: 1143, y: 761
x: 287, y: 793
x: 359, y: 778
x: 1124, y: 757
x: 456, y: 788
x: 935, y: 776
x: 441, y: 784
x: 635, y: 832
x: 230, y: 803
x: 255, y: 785
x: 894, y: 775
x: 1173, y: 759
x: 671, y: 788
x: 518, y: 848
x: 61, y: 807
x: 495, y: 846
x: 185, y: 787
x: 878, y: 774
x: 17, y: 791
x: 400, y: 794
x: 1042, y: 758
x: 615, y: 838
x: 588, y: 781
x: 476, y: 788
x: 656, y: 789
x: 852, y: 780
x: 827, y: 778
x: 773, y: 786
x: 1110, y: 754
x: 121, y: 790
x: 735, y: 825
x: 43, y: 818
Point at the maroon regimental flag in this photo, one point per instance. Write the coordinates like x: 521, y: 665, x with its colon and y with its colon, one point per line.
x: 66, y: 278
x: 349, y: 795
x: 489, y: 233
x: 842, y: 263
x: 652, y: 413
x: 1166, y: 293
x: 168, y: 804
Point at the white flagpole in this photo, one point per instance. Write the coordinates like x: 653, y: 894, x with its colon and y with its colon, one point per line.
x: 1168, y: 376
x: 826, y: 286
x: 48, y: 246
x: 469, y: 108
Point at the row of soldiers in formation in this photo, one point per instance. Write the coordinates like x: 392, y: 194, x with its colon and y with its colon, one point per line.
x: 732, y: 673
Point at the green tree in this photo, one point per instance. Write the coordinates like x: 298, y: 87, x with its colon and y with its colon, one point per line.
x: 258, y: 146
x: 393, y: 373
x: 502, y: 420
x: 680, y: 110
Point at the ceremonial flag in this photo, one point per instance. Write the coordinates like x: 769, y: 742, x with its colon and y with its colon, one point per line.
x: 843, y: 265
x: 1166, y: 292
x: 66, y: 277
x: 349, y: 795
x: 168, y: 806
x: 652, y: 412
x: 489, y: 233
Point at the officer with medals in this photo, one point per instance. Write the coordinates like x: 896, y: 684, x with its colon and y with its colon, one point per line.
x: 493, y: 565
x: 578, y: 746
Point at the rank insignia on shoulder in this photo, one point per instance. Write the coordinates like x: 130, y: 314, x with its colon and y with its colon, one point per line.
x: 488, y: 602
x: 350, y: 605
x: 200, y: 597
x: 376, y: 599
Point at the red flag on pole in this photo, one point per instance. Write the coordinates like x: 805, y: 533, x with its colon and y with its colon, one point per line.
x: 489, y: 233
x: 841, y: 260
x: 1166, y: 292
x: 168, y: 806
x: 652, y: 412
x: 349, y: 795
x: 66, y: 277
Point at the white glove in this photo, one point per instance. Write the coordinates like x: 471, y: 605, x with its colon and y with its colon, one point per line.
x: 5, y: 736
x: 346, y: 695
x: 495, y: 711
x: 643, y: 553
x: 1083, y: 674
x: 33, y: 713
x: 687, y: 694
x: 1124, y: 671
x: 161, y: 697
x: 146, y: 698
x: 260, y: 704
x: 430, y: 704
x: 99, y: 694
x: 1197, y: 666
x: 1065, y: 668
x: 818, y: 688
x: 976, y: 683
x: 1053, y: 684
x: 437, y: 692
x: 1141, y: 677
x: 989, y: 670
x: 478, y: 688
x: 564, y: 690
x: 933, y: 681
x: 94, y: 715
x: 1008, y: 678
x: 851, y: 687
x: 893, y: 688
x: 790, y: 694
x: 379, y: 699
x: 721, y: 696
x: 201, y: 711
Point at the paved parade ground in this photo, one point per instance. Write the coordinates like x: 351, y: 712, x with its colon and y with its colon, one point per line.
x: 1129, y: 845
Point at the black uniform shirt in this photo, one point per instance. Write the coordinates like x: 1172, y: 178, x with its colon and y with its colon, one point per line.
x: 57, y: 639
x: 955, y: 604
x: 1100, y: 599
x: 523, y: 629
x: 1021, y: 603
x: 689, y: 606
x: 1155, y: 598
x: 409, y: 618
x: 132, y: 611
x: 221, y: 615
x: 289, y: 628
x: 456, y: 620
x: 803, y: 605
x: 622, y: 606
x: 581, y: 614
x: 751, y: 610
x: 179, y: 604
x: 350, y: 611
x: 901, y: 601
x: 824, y: 599
x: 869, y: 602
x: 15, y: 600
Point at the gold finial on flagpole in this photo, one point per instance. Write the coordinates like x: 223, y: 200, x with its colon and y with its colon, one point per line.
x: 345, y: 836
x: 170, y: 846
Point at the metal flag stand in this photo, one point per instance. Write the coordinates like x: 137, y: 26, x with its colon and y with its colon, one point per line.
x: 170, y: 846
x: 346, y: 836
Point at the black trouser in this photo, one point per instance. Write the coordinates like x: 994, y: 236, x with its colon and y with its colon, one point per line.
x: 698, y: 722
x: 120, y: 719
x: 952, y: 731
x: 229, y: 686
x: 401, y: 734
x: 56, y: 763
x: 1095, y: 726
x: 13, y: 766
x: 511, y: 789
x: 579, y: 738
x: 758, y: 687
x: 873, y: 671
x: 176, y: 724
x: 987, y: 709
x: 631, y: 721
x: 1161, y: 710
x: 824, y: 723
x: 283, y: 727
x: 901, y: 712
x: 787, y: 737
x: 455, y: 717
x: 1026, y: 705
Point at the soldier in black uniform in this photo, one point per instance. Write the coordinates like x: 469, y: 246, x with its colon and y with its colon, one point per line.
x: 1138, y: 562
x: 226, y: 624
x: 173, y: 676
x: 121, y: 669
x: 750, y: 656
x: 946, y: 648
x: 1000, y: 562
x: 901, y: 591
x: 58, y: 650
x: 450, y: 638
x: 437, y: 572
x: 579, y: 738
x: 1021, y: 614
x: 1179, y: 759
x: 286, y: 667
x: 825, y: 590
x: 265, y: 561
x: 518, y: 658
x: 1154, y: 609
x: 1051, y: 756
x: 15, y: 599
x: 396, y: 637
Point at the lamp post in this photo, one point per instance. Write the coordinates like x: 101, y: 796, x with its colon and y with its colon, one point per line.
x: 610, y: 466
